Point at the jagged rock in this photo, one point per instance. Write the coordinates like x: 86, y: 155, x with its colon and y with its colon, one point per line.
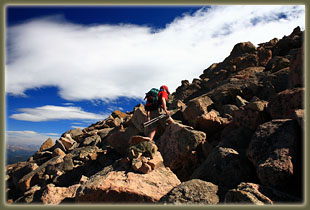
x: 35, y: 176
x: 277, y: 63
x: 55, y: 195
x: 226, y: 93
x: 285, y: 103
x: 245, y: 61
x: 114, y: 122
x: 47, y: 145
x: 297, y: 67
x: 224, y: 167
x: 68, y: 142
x: 240, y: 101
x: 227, y: 110
x: 44, y: 154
x: 284, y: 45
x: 196, y: 107
x: 251, y: 115
x: 85, y: 154
x: 242, y: 48
x: 272, y: 149
x: 29, y: 196
x: 139, y: 117
x: 127, y: 187
x: 264, y: 55
x: 104, y: 132
x: 119, y: 140
x: 137, y: 139
x: 118, y: 114
x: 83, y: 179
x: 177, y: 146
x: 186, y: 91
x: 92, y: 140
x: 192, y: 192
x: 156, y: 161
x: 250, y: 193
x: 140, y: 165
x: 210, y: 123
x: 74, y: 133
x: 18, y: 170
x: 145, y: 148
x: 60, y: 145
x: 58, y: 152
x: 237, y: 139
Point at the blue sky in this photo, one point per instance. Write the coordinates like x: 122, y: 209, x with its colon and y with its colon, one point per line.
x: 68, y: 67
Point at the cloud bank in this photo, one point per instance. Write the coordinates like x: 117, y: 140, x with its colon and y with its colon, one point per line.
x: 102, y: 62
x: 50, y: 112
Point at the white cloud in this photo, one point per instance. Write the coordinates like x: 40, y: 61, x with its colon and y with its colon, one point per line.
x: 28, y: 137
x: 50, y: 112
x: 107, y: 61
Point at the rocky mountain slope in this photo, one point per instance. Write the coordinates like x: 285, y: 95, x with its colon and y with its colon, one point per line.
x: 238, y: 138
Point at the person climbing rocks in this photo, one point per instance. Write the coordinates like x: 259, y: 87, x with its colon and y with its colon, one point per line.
x: 155, y: 106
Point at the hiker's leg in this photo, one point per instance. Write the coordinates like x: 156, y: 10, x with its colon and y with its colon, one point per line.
x: 152, y: 134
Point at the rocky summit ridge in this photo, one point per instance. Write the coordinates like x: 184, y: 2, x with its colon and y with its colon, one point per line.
x: 238, y: 138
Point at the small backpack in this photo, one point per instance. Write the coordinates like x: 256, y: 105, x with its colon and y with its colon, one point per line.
x: 151, y: 99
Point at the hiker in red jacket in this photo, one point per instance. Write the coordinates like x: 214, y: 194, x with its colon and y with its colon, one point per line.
x: 162, y: 109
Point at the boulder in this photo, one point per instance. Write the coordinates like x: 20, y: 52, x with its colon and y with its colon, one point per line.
x: 187, y: 90
x: 250, y: 193
x: 156, y: 161
x: 119, y: 140
x: 195, y: 192
x: 74, y: 133
x: 245, y: 61
x: 104, y: 132
x: 272, y: 149
x: 139, y: 117
x: 18, y: 170
x: 284, y: 45
x: 68, y: 142
x: 277, y: 63
x: 127, y: 187
x: 251, y: 115
x: 224, y: 167
x: 227, y: 110
x: 118, y: 114
x: 58, y: 152
x: 137, y: 139
x: 210, y: 123
x: 264, y: 55
x: 242, y: 48
x: 177, y: 146
x: 55, y: 195
x: 297, y: 68
x: 47, y: 145
x: 285, y: 103
x: 196, y: 107
x: 36, y: 176
x: 60, y: 145
x: 145, y: 148
x: 30, y: 196
x: 92, y: 140
x: 237, y: 139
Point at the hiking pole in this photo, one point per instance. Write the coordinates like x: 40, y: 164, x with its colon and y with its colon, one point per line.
x: 153, y: 120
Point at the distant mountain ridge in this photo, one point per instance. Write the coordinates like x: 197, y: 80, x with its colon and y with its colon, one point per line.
x: 17, y: 153
x: 237, y: 139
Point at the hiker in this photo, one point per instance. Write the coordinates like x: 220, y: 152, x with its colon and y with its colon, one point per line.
x: 157, y: 106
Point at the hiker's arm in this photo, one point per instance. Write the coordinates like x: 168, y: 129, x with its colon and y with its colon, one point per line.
x: 165, y: 106
x: 148, y: 115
